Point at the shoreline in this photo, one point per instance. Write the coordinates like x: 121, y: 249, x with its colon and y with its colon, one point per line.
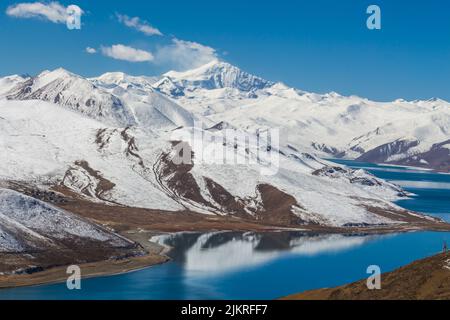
x: 89, y: 270
x: 407, y: 167
x: 155, y: 255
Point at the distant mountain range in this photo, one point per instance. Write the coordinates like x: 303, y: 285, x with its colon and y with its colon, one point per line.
x: 330, y: 125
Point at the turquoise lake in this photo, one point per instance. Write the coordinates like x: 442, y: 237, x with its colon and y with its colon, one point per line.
x: 235, y: 265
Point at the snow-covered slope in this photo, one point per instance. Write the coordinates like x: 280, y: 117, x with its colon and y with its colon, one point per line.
x: 73, y: 92
x: 35, y: 235
x: 150, y: 108
x: 7, y: 83
x: 45, y: 144
x: 133, y: 167
x: 42, y: 223
x: 345, y: 126
x: 124, y: 80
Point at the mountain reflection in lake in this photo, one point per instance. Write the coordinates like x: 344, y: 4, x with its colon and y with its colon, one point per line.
x: 229, y: 251
x: 236, y: 265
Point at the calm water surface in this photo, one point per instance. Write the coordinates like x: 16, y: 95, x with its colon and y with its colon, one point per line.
x: 431, y: 190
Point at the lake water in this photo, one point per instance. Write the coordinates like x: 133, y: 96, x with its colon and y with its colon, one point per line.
x: 234, y: 265
x: 431, y: 190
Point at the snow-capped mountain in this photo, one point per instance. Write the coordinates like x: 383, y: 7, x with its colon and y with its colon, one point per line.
x: 124, y: 80
x: 115, y: 140
x: 216, y: 75
x: 329, y: 125
x: 135, y: 104
x: 73, y: 92
x: 210, y: 88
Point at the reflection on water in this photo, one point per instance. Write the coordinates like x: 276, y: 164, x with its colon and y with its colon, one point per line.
x: 229, y: 251
x: 235, y: 265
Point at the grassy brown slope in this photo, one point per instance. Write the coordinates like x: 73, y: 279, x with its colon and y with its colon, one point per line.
x: 122, y: 218
x: 426, y: 279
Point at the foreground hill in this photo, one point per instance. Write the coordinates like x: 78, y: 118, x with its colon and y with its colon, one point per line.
x: 35, y: 235
x: 427, y: 279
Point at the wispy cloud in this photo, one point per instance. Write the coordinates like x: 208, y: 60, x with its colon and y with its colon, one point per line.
x: 91, y: 50
x: 52, y: 11
x: 139, y: 25
x: 122, y: 52
x: 182, y: 55
x: 178, y: 55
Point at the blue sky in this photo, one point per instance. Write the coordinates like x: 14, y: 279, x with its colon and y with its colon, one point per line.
x: 317, y: 46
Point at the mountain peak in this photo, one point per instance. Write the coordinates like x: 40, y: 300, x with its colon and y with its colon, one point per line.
x: 58, y: 72
x: 195, y: 71
x: 122, y: 79
x: 436, y: 99
x: 113, y: 75
x: 48, y: 76
x: 218, y: 74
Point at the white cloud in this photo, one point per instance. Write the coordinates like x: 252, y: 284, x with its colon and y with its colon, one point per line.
x: 185, y: 55
x: 91, y: 50
x: 138, y: 24
x: 122, y: 52
x: 53, y: 11
x: 178, y: 55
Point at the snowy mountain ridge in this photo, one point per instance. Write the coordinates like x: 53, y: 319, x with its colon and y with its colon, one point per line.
x: 218, y: 75
x: 328, y: 125
x: 94, y: 98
